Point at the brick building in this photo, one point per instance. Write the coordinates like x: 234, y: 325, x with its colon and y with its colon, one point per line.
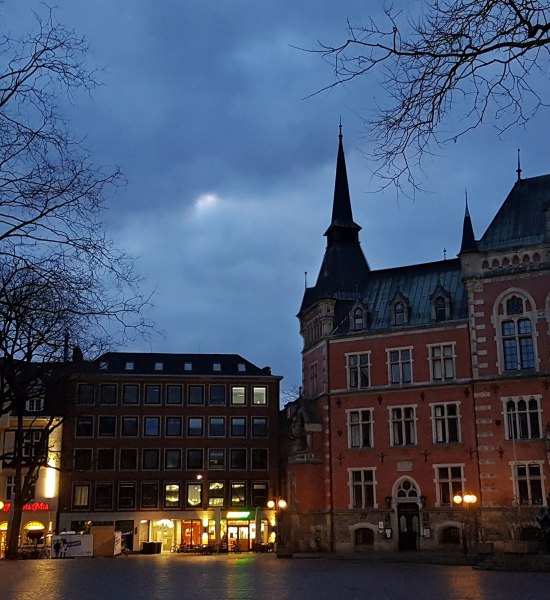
x: 421, y: 382
x: 174, y: 448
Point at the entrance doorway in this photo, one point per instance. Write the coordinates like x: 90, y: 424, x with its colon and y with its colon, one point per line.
x: 408, y: 520
x: 238, y: 536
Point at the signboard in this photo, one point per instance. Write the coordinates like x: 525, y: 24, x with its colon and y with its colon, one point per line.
x: 72, y: 545
x: 31, y: 506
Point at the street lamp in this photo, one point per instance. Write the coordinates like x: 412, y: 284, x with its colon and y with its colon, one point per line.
x: 279, y: 505
x: 467, y: 499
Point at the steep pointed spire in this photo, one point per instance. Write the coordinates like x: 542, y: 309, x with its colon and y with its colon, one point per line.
x: 469, y: 243
x: 342, y: 229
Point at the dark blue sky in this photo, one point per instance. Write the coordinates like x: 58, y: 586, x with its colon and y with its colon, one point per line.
x: 230, y: 169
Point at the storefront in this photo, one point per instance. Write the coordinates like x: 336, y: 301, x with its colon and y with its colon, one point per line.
x: 37, y: 517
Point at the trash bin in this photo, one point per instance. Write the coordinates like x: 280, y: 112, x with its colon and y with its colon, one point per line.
x: 158, y: 548
x: 149, y: 548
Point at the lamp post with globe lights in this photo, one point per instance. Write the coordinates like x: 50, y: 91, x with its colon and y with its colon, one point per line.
x: 466, y: 499
x: 278, y: 505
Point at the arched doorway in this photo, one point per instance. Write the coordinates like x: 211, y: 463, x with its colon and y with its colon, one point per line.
x: 408, y: 514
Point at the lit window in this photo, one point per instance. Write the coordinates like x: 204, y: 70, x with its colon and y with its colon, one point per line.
x: 259, y: 396
x: 194, y: 495
x: 362, y: 487
x: 238, y: 494
x: 445, y: 423
x: 216, y: 494
x: 523, y: 418
x: 403, y: 425
x: 238, y: 397
x: 358, y: 368
x: 171, y: 495
x: 360, y: 428
x: 81, y: 495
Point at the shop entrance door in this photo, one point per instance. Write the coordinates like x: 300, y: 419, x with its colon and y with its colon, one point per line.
x: 238, y: 535
x: 408, y: 525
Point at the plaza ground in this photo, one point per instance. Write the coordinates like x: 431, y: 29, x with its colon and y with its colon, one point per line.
x: 259, y: 576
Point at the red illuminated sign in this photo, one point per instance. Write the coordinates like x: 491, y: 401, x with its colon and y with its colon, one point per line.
x: 32, y: 506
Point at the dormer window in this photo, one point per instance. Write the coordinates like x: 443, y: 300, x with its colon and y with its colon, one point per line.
x: 399, y: 314
x: 216, y: 367
x: 159, y: 366
x: 103, y: 365
x: 440, y: 310
x: 358, y: 319
x: 187, y: 366
x: 241, y: 367
x: 129, y: 365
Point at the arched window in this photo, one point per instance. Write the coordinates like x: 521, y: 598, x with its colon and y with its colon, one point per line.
x: 407, y: 489
x: 358, y: 319
x: 517, y: 336
x: 399, y: 313
x: 440, y: 309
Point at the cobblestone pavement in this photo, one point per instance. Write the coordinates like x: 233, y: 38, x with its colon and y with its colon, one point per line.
x: 258, y: 576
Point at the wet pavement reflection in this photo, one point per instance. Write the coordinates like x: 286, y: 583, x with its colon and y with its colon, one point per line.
x: 257, y: 576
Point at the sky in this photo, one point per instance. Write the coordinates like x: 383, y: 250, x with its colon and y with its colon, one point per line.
x: 207, y: 108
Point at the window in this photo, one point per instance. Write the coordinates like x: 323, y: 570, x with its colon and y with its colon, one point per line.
x: 400, y: 365
x: 259, y: 493
x: 151, y: 426
x: 442, y: 362
x: 173, y: 426
x: 172, y: 458
x: 152, y: 394
x: 440, y: 309
x: 150, y: 459
x: 449, y: 480
x: 216, y: 494
x: 105, y: 459
x: 238, y: 493
x: 83, y: 459
x: 196, y: 394
x: 126, y: 495
x: 238, y: 397
x: 445, y: 423
x: 238, y: 426
x: 85, y: 393
x: 241, y: 367
x: 217, y: 395
x: 107, y: 426
x: 107, y: 394
x: 313, y: 390
x: 358, y: 366
x: 10, y: 487
x: 523, y: 418
x: 159, y: 366
x: 128, y: 459
x: 84, y: 427
x: 149, y: 494
x: 358, y: 321
x: 259, y: 458
x: 259, y: 396
x: 103, y: 496
x: 129, y: 365
x: 403, y: 426
x: 216, y: 367
x: 171, y: 495
x: 360, y: 428
x: 194, y: 427
x: 216, y: 426
x: 216, y: 459
x: 195, y: 459
x: 194, y: 495
x: 174, y: 394
x: 259, y: 426
x: 528, y: 482
x: 237, y: 459
x: 362, y: 488
x: 33, y: 444
x: 130, y: 394
x: 81, y: 496
x: 517, y: 335
x: 129, y: 427
x: 187, y: 366
x: 399, y: 314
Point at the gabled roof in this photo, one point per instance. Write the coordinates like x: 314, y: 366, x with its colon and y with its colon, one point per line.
x: 145, y: 363
x: 520, y: 221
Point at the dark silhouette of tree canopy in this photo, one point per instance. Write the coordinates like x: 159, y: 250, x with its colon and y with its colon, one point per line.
x: 61, y: 278
x: 486, y: 61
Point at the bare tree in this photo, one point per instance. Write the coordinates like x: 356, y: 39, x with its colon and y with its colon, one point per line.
x: 60, y: 276
x: 486, y: 61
